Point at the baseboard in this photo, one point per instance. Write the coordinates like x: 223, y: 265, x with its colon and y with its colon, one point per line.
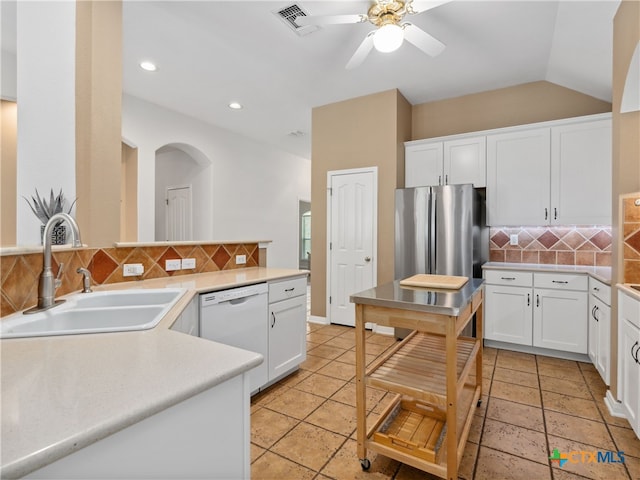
x: 547, y: 352
x: 390, y: 331
x: 613, y: 405
x: 317, y: 319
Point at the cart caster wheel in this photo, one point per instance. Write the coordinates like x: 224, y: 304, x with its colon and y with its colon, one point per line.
x: 365, y: 464
x: 479, y: 403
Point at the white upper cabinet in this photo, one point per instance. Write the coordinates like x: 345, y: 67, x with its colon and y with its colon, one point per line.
x: 581, y: 173
x: 518, y: 171
x: 557, y: 174
x: 450, y: 162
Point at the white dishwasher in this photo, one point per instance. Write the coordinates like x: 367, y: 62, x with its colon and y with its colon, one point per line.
x: 238, y: 317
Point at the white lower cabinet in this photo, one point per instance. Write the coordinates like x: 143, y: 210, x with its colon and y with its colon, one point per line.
x: 188, y: 321
x: 600, y: 328
x: 545, y: 310
x: 287, y: 326
x: 629, y: 358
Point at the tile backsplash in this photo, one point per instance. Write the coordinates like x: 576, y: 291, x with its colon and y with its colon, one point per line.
x: 20, y: 272
x: 558, y: 245
x: 631, y: 234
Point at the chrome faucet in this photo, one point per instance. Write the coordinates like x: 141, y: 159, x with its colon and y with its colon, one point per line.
x: 48, y: 284
x: 86, y: 279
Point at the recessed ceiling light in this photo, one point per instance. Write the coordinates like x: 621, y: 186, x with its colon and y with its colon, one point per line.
x: 235, y: 106
x: 148, y: 66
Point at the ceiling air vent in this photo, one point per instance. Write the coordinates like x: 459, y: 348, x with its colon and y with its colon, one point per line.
x: 289, y: 14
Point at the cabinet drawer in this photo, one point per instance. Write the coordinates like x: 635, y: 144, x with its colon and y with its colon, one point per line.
x: 509, y: 277
x: 600, y: 290
x: 561, y: 281
x: 629, y: 309
x: 292, y: 287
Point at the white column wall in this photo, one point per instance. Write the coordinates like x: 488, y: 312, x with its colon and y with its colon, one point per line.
x: 255, y: 187
x: 45, y: 70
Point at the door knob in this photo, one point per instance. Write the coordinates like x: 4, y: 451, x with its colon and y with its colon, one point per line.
x: 367, y: 259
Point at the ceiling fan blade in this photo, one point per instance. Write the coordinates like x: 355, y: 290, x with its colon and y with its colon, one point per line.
x: 362, y: 51
x: 419, y: 6
x: 329, y: 19
x: 421, y: 39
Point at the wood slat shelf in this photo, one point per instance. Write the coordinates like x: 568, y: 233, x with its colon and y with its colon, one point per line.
x: 415, y: 367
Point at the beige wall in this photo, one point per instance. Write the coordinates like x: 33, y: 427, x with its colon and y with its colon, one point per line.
x: 361, y: 132
x: 98, y: 120
x: 505, y: 107
x: 129, y: 190
x: 626, y: 149
x: 8, y: 189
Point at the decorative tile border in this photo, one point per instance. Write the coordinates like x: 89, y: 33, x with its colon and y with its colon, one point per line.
x: 20, y: 272
x: 631, y: 235
x: 589, y: 246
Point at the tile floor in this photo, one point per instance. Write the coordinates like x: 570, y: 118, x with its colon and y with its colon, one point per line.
x: 304, y: 426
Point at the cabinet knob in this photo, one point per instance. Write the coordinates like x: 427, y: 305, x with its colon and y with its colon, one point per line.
x: 555, y: 213
x: 537, y: 300
x: 546, y: 213
x: 507, y: 278
x: 367, y: 258
x: 528, y: 299
x: 635, y: 355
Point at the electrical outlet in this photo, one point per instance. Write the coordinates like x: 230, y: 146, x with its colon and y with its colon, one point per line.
x: 132, y: 269
x: 241, y: 259
x: 188, y: 263
x: 513, y: 239
x: 171, y: 265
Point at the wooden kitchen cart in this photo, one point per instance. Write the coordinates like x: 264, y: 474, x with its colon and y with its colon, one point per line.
x: 436, y: 373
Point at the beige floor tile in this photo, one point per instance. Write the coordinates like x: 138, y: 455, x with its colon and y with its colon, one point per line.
x: 516, y: 361
x: 292, y: 380
x: 515, y: 393
x: 342, y: 342
x: 633, y: 466
x: 335, y: 330
x: 579, y: 465
x: 516, y: 413
x: 496, y: 465
x: 626, y: 440
x: 559, y: 362
x: 608, y: 418
x: 326, y: 351
x: 574, y: 388
x: 340, y: 370
x: 271, y: 466
x: 350, y: 357
x: 387, y: 340
x: 568, y: 372
x: 375, y: 348
x: 515, y: 440
x: 313, y: 363
x: 296, y: 403
x: 475, y: 432
x: 347, y: 395
x: 267, y: 427
x: 468, y: 463
x: 407, y: 472
x: 518, y: 377
x: 256, y: 452
x: 345, y: 465
x: 588, y: 367
x: 318, y: 338
x: 312, y: 327
x: 578, y: 429
x: 321, y: 385
x: 578, y: 407
x: 335, y: 417
x: 309, y: 446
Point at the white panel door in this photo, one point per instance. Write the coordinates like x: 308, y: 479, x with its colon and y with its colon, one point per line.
x: 352, y: 241
x: 178, y: 213
x: 581, y: 174
x: 518, y: 177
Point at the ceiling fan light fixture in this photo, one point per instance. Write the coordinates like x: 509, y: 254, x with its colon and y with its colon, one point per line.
x: 388, y: 38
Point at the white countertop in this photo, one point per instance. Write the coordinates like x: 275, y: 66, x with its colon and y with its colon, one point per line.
x: 62, y: 393
x: 599, y: 273
x: 632, y: 292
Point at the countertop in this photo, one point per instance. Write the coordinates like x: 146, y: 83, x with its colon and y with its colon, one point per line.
x: 433, y: 300
x: 62, y: 393
x: 602, y: 274
x: 632, y: 292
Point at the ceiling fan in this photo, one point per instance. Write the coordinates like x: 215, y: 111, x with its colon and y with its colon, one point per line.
x: 387, y: 16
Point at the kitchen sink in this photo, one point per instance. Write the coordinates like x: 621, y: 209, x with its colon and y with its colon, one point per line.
x: 635, y: 287
x: 98, y: 312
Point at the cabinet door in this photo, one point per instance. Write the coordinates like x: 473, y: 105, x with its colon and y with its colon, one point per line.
x: 508, y: 314
x: 603, y: 359
x: 560, y: 320
x: 518, y: 177
x: 593, y: 340
x: 629, y: 342
x: 465, y: 161
x: 423, y: 165
x: 287, y: 335
x: 581, y: 174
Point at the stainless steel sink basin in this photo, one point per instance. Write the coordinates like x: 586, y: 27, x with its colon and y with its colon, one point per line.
x: 99, y: 312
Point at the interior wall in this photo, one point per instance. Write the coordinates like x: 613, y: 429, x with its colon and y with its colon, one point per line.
x: 518, y: 105
x: 626, y: 151
x: 129, y: 191
x: 254, y: 187
x: 357, y: 133
x: 8, y: 195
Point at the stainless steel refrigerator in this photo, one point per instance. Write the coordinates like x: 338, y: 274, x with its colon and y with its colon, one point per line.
x: 440, y: 230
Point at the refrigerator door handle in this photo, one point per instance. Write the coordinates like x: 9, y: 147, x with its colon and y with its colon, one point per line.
x: 434, y: 233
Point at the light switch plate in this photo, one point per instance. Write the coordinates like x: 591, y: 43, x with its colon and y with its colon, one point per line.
x: 188, y: 263
x: 241, y: 259
x: 171, y: 265
x: 513, y: 239
x: 132, y: 269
